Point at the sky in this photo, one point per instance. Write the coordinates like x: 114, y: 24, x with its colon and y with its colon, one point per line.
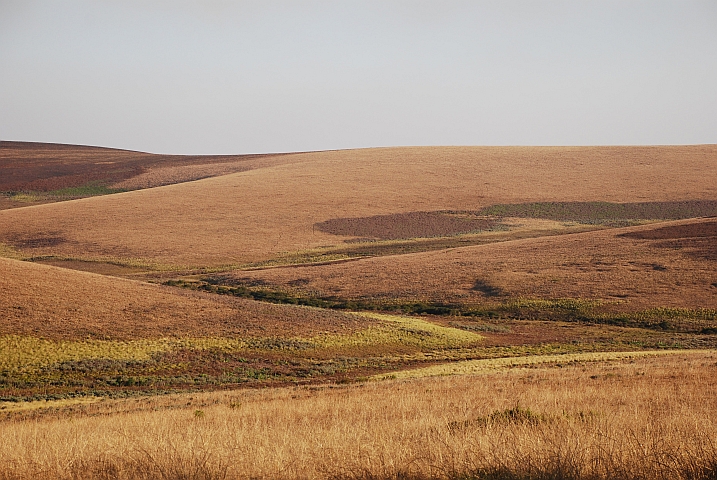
x: 229, y: 77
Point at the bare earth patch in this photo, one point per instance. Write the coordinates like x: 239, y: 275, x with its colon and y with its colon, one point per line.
x: 697, y: 239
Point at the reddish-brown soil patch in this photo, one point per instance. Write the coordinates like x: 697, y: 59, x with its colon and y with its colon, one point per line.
x: 102, y: 268
x: 407, y: 225
x: 401, y: 226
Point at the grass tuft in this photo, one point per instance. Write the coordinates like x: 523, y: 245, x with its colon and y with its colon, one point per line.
x: 8, y: 251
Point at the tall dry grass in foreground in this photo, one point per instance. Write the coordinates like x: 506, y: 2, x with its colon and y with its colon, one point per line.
x: 652, y: 418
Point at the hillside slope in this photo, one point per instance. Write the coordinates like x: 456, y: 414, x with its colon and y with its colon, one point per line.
x: 32, y: 173
x: 671, y: 264
x: 253, y: 215
x: 57, y: 303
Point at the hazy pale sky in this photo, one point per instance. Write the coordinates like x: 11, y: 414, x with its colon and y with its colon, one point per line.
x: 268, y: 76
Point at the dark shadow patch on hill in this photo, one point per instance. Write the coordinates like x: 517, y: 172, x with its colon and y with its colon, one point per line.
x: 401, y: 226
x: 487, y: 289
x: 49, y: 239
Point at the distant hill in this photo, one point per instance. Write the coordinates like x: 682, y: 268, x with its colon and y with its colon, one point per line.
x: 273, y: 209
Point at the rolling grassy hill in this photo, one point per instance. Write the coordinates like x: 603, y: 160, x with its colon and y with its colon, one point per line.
x: 259, y: 214
x: 147, y: 301
x: 61, y: 304
x: 35, y: 173
x: 669, y: 264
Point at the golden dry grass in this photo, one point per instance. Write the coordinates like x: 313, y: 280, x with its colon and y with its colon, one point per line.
x: 647, y: 418
x: 44, y: 405
x: 254, y: 215
x: 488, y: 365
x: 635, y: 273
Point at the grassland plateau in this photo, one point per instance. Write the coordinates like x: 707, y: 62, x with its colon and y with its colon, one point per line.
x: 432, y: 312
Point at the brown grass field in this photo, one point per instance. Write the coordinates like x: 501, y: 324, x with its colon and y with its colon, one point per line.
x: 670, y: 264
x: 61, y: 304
x: 644, y: 418
x: 257, y: 214
x: 390, y: 313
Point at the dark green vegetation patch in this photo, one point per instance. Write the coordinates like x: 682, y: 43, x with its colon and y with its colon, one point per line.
x: 88, y: 190
x: 605, y: 212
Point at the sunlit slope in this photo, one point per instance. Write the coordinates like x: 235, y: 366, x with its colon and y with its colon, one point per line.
x: 670, y: 264
x: 56, y: 303
x: 253, y: 215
